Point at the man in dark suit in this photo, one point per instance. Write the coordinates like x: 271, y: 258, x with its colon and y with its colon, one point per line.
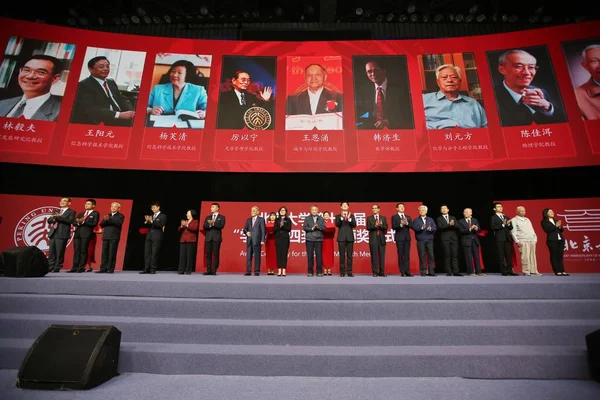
x: 469, y: 240
x: 256, y: 234
x: 520, y: 103
x: 35, y: 79
x: 314, y: 226
x: 156, y: 231
x: 425, y: 228
x: 213, y: 225
x: 99, y: 100
x: 346, y: 222
x: 316, y: 99
x: 84, y: 230
x: 111, y: 234
x: 60, y: 231
x: 382, y: 103
x: 401, y: 224
x: 448, y: 228
x: 377, y: 227
x: 234, y: 102
x: 501, y: 227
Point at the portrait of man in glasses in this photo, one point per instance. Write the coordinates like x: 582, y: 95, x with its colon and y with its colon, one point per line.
x: 35, y: 78
x: 519, y: 102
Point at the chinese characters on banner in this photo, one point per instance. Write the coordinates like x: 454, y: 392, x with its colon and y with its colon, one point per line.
x: 97, y: 141
x: 539, y: 141
x: 244, y: 145
x: 171, y: 144
x: 387, y: 145
x: 27, y: 224
x: 460, y: 144
x: 25, y: 136
x: 233, y: 248
x: 315, y: 146
x: 581, y: 221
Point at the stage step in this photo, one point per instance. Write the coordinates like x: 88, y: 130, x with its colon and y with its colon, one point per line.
x: 300, y: 287
x: 317, y: 333
x: 481, y: 362
x: 300, y: 309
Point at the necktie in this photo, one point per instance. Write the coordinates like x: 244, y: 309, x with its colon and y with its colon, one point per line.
x: 86, y: 215
x: 243, y: 98
x: 154, y: 217
x: 379, y: 105
x: 214, y: 216
x: 19, y: 110
x: 377, y: 220
x: 253, y: 221
x: 55, y: 225
x: 469, y: 222
x: 115, y: 106
x: 445, y: 216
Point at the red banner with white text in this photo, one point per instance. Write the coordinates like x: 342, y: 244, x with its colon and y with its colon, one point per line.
x: 73, y: 97
x: 581, y: 221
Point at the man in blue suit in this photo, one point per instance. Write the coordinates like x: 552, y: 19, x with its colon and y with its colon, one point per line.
x: 425, y: 228
x: 520, y: 103
x: 255, y: 231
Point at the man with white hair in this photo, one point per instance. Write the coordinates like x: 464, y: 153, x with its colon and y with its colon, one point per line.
x: 448, y: 108
x: 111, y: 225
x: 526, y: 239
x: 425, y: 228
x: 588, y: 94
x: 519, y: 102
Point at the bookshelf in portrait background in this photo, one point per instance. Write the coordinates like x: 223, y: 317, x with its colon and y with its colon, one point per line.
x: 465, y: 61
x: 18, y: 50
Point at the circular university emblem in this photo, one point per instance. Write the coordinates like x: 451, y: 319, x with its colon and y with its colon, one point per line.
x: 257, y: 118
x: 33, y: 229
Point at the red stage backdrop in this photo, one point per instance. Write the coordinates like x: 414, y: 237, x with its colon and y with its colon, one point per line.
x: 277, y: 129
x: 233, y: 248
x: 581, y: 220
x: 24, y: 223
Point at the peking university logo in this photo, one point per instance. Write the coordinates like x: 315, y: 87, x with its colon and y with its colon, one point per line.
x: 33, y: 229
x: 257, y: 118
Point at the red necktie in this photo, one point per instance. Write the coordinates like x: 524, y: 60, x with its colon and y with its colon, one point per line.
x: 106, y: 89
x: 86, y: 214
x: 114, y: 104
x: 379, y: 105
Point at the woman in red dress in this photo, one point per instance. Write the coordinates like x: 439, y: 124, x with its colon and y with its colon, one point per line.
x: 328, y: 236
x: 91, y: 253
x: 270, y: 244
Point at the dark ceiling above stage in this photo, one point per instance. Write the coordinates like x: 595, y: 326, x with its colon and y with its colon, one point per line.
x: 90, y: 13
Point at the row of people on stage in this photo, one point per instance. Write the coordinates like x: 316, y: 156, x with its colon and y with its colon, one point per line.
x: 320, y: 234
x: 86, y: 224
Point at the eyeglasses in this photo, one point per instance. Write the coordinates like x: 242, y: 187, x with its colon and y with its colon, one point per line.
x: 531, y: 68
x: 40, y: 73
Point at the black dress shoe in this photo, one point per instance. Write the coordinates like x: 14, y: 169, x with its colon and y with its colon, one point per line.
x: 179, y: 272
x: 351, y: 275
x: 207, y: 273
x: 409, y: 274
x: 102, y: 272
x: 374, y: 275
x: 80, y: 271
x: 382, y: 274
x: 342, y: 275
x: 152, y: 272
x: 141, y: 272
x: 513, y: 274
x: 432, y: 274
x: 423, y: 274
x: 110, y: 272
x: 256, y: 274
x: 188, y: 273
x: 247, y: 274
x: 449, y: 274
x: 459, y: 274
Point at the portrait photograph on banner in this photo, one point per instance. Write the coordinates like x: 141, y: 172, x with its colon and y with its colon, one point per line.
x: 382, y: 92
x: 179, y: 94
x: 583, y: 61
x: 33, y: 78
x: 314, y: 93
x: 529, y: 103
x: 108, y: 86
x: 247, y: 93
x: 455, y: 117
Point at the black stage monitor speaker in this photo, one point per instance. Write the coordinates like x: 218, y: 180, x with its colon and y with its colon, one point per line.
x: 71, y: 357
x: 592, y: 341
x: 23, y: 262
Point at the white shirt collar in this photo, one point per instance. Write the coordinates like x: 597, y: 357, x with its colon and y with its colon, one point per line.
x: 100, y: 81
x: 383, y: 86
x: 33, y: 104
x: 239, y: 96
x: 313, y: 98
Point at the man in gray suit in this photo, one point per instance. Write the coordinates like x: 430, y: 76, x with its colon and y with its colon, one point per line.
x: 255, y: 231
x: 35, y: 79
x: 314, y: 226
